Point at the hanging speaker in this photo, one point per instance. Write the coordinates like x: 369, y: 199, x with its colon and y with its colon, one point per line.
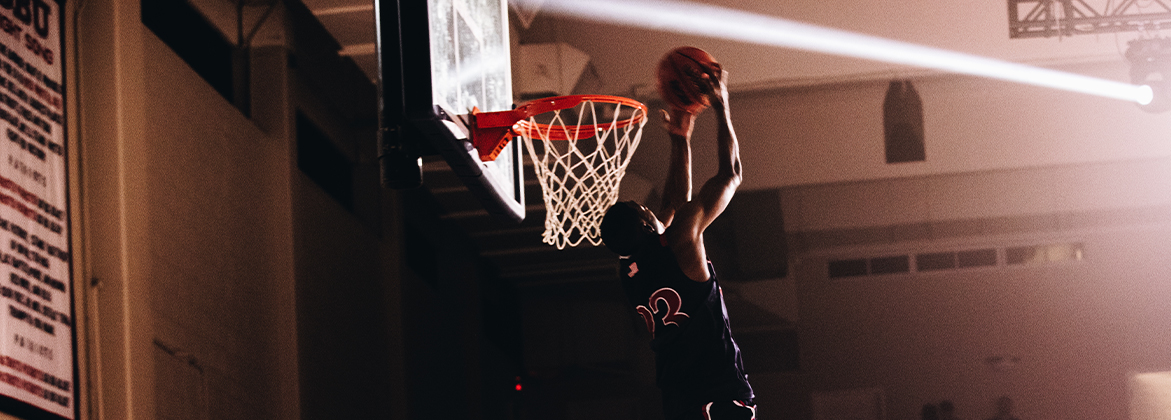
x: 902, y: 123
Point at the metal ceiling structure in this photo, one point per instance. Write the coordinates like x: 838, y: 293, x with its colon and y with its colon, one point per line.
x: 1048, y: 18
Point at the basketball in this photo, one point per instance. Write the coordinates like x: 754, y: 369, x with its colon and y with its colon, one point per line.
x: 674, y: 77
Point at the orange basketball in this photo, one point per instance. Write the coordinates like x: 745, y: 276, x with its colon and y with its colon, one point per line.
x: 675, y: 78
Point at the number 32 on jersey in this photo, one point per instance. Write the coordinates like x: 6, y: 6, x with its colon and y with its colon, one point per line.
x: 662, y: 309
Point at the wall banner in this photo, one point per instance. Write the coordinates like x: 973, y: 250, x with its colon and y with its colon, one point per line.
x: 37, y: 374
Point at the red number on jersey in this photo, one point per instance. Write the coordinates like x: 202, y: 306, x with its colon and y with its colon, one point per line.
x: 652, y: 314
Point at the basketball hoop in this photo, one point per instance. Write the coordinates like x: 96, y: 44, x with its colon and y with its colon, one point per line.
x: 580, y: 146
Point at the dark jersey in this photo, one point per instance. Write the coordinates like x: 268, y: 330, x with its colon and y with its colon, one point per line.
x: 696, y: 359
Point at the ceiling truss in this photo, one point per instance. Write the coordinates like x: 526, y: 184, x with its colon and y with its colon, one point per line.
x: 1061, y: 18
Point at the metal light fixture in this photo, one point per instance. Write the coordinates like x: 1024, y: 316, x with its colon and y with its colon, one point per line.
x: 1150, y: 65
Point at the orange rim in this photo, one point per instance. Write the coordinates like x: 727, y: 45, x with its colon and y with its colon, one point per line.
x: 524, y: 127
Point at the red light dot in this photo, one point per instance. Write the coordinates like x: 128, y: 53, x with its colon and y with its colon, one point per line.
x: 518, y: 387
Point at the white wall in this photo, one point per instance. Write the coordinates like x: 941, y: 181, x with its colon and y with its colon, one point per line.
x: 188, y: 232
x: 1078, y: 328
x: 834, y: 133
x: 219, y: 219
x: 1006, y: 165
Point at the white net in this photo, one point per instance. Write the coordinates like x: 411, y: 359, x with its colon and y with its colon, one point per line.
x: 580, y: 155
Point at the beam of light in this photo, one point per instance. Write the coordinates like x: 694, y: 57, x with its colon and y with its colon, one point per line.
x: 327, y: 11
x: 736, y: 25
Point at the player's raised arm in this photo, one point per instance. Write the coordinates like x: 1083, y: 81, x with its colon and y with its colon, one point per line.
x: 677, y: 190
x: 715, y: 194
x: 717, y: 191
x: 686, y: 233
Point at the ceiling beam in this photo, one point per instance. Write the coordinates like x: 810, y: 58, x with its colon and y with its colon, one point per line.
x: 1048, y: 18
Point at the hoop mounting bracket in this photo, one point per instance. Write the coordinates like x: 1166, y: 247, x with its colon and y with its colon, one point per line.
x: 491, y: 131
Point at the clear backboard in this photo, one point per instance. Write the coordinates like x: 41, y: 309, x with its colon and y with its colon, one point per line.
x: 439, y: 59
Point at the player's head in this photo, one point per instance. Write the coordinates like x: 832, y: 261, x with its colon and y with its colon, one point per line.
x: 628, y: 226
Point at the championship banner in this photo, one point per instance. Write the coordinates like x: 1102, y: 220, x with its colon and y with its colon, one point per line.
x: 37, y: 377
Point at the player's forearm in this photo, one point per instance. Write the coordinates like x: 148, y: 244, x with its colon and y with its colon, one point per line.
x: 677, y: 189
x: 715, y: 194
x: 728, y: 148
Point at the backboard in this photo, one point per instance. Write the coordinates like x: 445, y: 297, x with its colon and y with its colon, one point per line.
x: 438, y: 60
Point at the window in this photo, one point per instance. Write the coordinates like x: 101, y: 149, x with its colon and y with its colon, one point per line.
x: 873, y: 266
x: 1044, y: 253
x: 187, y: 32
x: 890, y: 265
x: 847, y: 268
x: 976, y: 258
x: 936, y: 261
x: 320, y: 160
x: 955, y: 260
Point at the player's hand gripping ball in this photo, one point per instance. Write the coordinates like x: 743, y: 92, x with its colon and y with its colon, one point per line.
x: 678, y: 75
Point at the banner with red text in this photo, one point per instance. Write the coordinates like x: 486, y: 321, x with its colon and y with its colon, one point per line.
x: 36, y: 305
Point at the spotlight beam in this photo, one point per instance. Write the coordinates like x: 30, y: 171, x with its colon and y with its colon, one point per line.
x: 736, y: 25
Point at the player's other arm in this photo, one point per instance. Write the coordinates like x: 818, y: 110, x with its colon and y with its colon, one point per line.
x: 686, y: 236
x: 677, y: 190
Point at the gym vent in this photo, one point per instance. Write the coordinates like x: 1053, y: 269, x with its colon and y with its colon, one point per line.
x: 955, y: 260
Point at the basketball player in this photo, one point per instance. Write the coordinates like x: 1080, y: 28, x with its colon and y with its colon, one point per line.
x: 664, y: 269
